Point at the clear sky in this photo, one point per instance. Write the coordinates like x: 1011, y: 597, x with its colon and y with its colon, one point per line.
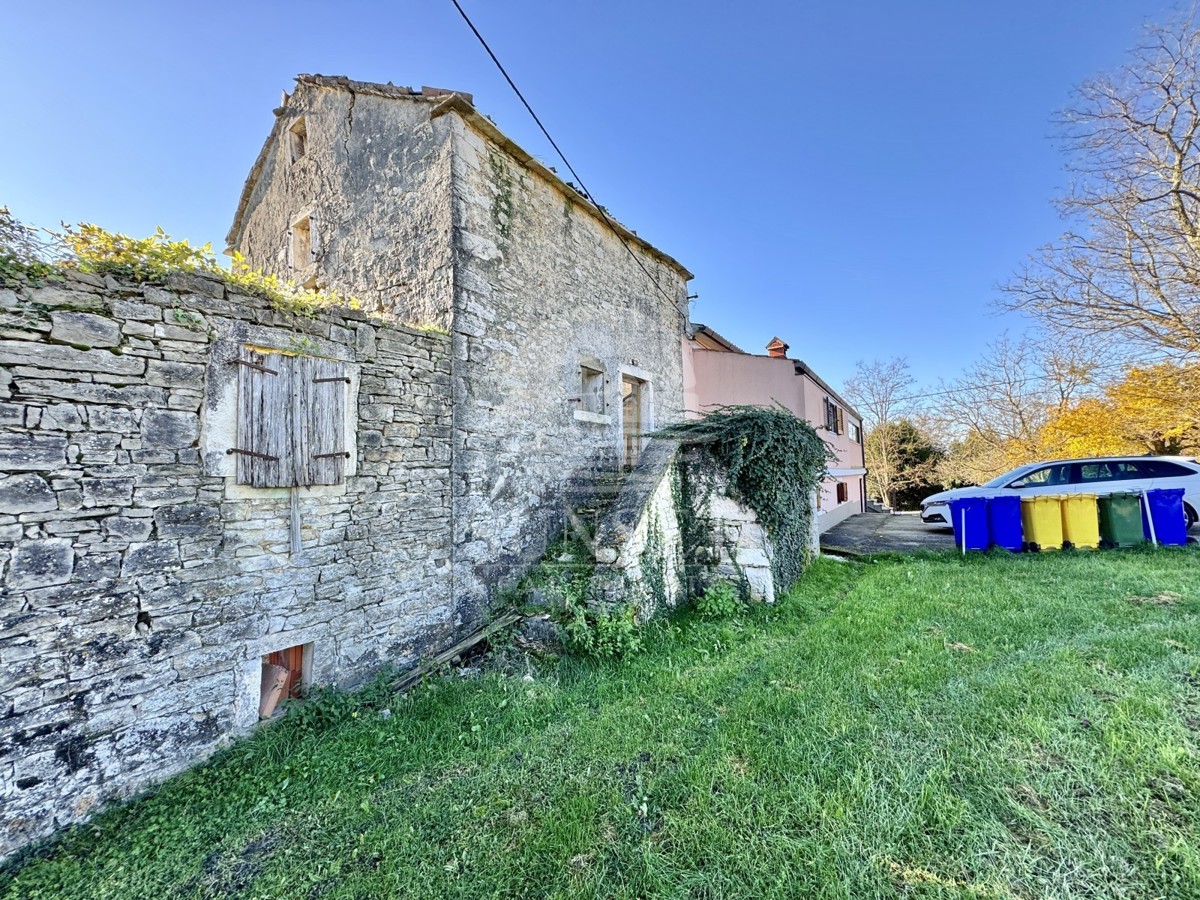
x: 855, y: 177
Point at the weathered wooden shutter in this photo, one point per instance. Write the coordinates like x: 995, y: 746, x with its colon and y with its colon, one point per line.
x: 324, y: 414
x: 264, y: 439
x: 291, y: 414
x: 287, y: 252
x: 841, y: 420
x: 314, y: 241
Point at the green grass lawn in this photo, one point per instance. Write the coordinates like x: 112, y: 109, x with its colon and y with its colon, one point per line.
x: 918, y: 727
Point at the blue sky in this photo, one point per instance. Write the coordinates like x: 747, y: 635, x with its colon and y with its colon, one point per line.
x: 854, y: 177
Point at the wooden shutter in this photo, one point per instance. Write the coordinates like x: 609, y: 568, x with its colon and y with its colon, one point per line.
x: 314, y: 241
x: 295, y: 416
x: 287, y: 252
x: 264, y: 420
x: 324, y: 414
x: 841, y: 420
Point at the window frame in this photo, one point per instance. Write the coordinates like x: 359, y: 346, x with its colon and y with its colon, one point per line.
x: 298, y: 139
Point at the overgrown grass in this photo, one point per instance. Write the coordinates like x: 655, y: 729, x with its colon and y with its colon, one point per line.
x: 919, y: 727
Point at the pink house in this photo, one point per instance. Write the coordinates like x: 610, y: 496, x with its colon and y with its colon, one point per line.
x: 717, y: 373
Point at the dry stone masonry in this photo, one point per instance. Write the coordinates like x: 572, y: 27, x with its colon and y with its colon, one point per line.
x: 144, y: 580
x: 566, y: 337
x: 196, y: 489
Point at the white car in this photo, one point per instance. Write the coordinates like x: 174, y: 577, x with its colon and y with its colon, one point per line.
x: 1097, y: 475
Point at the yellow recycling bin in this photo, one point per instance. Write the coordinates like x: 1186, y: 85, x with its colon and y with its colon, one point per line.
x: 1081, y: 521
x: 1042, y: 522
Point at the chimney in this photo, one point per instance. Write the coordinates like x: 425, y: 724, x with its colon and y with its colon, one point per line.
x: 777, y: 348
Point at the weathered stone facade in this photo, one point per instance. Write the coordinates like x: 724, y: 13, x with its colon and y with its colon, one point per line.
x: 427, y: 211
x: 145, y: 579
x: 141, y: 584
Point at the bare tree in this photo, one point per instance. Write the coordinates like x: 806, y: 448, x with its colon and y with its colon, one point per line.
x: 882, y: 392
x: 995, y: 412
x: 1129, y: 267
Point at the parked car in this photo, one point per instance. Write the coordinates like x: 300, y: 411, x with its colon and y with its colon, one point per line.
x: 1097, y: 475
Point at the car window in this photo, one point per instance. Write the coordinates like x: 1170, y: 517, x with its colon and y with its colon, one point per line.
x: 1112, y: 470
x: 1160, y: 468
x: 1046, y: 476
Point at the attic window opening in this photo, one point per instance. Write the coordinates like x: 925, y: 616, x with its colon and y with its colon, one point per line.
x: 298, y: 138
x: 302, y: 244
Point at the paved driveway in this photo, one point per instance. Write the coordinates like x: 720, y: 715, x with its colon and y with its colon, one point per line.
x: 872, y: 532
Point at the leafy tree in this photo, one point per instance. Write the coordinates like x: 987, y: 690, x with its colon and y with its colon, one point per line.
x: 882, y: 392
x: 1128, y: 266
x: 914, y: 458
x: 1151, y: 410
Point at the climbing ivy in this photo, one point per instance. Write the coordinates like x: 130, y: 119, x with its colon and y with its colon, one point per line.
x: 774, y: 462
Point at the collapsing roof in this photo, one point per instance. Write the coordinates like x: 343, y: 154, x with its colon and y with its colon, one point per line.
x: 443, y: 102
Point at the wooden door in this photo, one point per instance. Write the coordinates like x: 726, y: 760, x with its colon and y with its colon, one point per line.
x: 631, y: 420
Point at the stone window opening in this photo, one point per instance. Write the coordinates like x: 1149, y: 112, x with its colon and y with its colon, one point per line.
x: 298, y: 138
x: 286, y: 675
x: 592, y: 403
x: 290, y: 420
x: 303, y: 246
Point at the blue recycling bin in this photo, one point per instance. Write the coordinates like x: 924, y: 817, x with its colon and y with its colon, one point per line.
x: 969, y: 517
x: 1004, y: 523
x: 1165, y: 508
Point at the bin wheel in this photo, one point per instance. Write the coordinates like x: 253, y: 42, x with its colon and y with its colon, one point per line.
x: 1032, y: 547
x: 1067, y: 545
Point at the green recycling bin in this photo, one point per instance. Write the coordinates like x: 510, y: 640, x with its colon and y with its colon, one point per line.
x: 1120, y: 519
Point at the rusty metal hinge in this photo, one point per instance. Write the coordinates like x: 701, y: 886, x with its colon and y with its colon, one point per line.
x: 265, y: 456
x: 341, y: 453
x: 250, y: 365
x: 324, y: 380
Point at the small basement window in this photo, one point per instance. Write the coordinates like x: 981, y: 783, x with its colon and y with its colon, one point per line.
x: 286, y: 675
x: 298, y: 138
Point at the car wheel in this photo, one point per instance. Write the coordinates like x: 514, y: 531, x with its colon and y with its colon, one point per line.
x: 1190, y: 514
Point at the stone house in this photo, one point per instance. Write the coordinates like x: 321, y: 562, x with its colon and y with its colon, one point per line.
x: 195, y: 486
x: 565, y: 327
x: 718, y: 373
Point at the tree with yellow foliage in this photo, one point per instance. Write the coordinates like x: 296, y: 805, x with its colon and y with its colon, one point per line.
x: 1151, y: 410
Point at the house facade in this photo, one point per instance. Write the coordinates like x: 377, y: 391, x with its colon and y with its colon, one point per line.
x: 718, y: 373
x: 208, y: 503
x: 565, y: 326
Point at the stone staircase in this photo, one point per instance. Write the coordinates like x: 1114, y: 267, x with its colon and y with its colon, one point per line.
x: 592, y: 502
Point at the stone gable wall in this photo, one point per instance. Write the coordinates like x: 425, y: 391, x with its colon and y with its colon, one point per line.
x: 376, y: 180
x: 139, y: 585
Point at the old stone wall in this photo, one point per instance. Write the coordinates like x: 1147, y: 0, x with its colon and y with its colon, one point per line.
x: 141, y: 586
x: 543, y: 287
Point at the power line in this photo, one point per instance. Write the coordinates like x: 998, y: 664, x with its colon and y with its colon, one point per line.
x: 583, y: 187
x: 1022, y: 380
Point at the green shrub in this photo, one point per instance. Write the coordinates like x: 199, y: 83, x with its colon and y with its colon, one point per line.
x: 720, y: 601
x: 610, y: 634
x: 91, y: 249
